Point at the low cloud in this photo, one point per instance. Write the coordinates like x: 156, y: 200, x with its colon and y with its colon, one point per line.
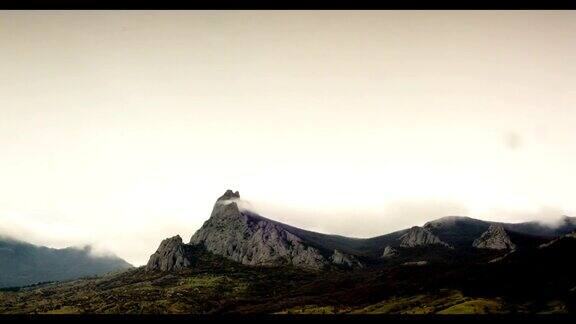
x: 133, y: 241
x: 546, y: 215
x: 361, y: 222
x: 243, y: 205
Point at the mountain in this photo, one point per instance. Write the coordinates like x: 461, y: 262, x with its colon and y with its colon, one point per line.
x: 251, y: 239
x: 254, y: 240
x: 23, y: 264
x: 532, y: 280
x: 241, y: 262
x: 461, y: 232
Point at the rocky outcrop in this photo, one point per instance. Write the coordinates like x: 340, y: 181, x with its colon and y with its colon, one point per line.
x: 419, y: 236
x: 571, y: 235
x: 347, y: 260
x: 495, y: 238
x: 389, y: 252
x: 171, y: 255
x: 253, y: 240
x: 415, y: 263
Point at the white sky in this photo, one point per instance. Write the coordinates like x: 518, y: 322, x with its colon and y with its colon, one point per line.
x: 122, y: 128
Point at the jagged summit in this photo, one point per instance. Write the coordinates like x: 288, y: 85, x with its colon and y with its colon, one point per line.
x: 229, y: 194
x: 494, y: 238
x: 226, y: 206
x: 420, y: 236
x: 254, y: 240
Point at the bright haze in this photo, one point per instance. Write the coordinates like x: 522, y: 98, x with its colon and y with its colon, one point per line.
x: 122, y: 128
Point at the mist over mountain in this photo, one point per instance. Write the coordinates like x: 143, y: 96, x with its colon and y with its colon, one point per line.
x: 23, y: 263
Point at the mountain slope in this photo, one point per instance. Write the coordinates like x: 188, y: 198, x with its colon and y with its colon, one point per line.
x: 24, y: 264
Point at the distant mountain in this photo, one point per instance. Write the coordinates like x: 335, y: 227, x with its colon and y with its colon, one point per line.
x: 462, y: 231
x: 23, y: 264
x: 251, y: 239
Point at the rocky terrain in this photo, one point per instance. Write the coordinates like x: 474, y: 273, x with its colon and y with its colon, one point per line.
x: 420, y: 236
x: 171, y: 255
x: 346, y: 260
x: 389, y: 252
x: 246, y: 237
x: 254, y: 240
x: 494, y: 238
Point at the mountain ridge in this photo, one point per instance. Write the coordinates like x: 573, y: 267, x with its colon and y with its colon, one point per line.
x: 23, y: 263
x: 252, y: 239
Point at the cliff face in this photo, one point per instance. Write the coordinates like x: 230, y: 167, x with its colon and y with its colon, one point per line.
x: 495, y: 238
x: 171, y: 255
x: 253, y: 240
x: 419, y: 236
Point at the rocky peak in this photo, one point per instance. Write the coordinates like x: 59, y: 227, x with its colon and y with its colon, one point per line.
x: 252, y: 239
x: 172, y: 254
x: 229, y: 195
x: 226, y: 205
x: 494, y: 238
x: 419, y: 236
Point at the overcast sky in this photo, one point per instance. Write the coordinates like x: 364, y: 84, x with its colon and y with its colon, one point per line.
x: 123, y: 128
